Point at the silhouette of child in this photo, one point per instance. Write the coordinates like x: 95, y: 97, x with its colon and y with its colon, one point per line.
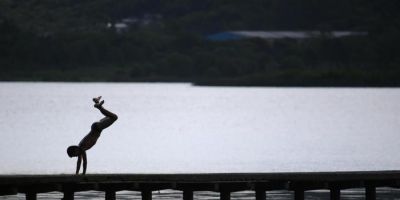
x: 90, y: 139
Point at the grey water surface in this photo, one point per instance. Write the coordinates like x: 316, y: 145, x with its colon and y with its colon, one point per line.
x: 180, y: 128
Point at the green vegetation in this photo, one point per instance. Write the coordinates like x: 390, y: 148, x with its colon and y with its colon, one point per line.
x: 64, y: 40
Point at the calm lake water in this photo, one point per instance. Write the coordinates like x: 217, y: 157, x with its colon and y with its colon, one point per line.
x: 179, y: 128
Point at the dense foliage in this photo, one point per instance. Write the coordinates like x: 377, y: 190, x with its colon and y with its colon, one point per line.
x: 69, y: 40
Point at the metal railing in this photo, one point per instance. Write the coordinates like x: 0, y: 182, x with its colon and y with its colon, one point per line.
x: 224, y: 183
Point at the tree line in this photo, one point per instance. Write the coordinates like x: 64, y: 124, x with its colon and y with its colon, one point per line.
x: 69, y: 41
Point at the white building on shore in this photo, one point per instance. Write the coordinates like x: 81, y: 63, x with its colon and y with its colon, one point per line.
x: 274, y: 35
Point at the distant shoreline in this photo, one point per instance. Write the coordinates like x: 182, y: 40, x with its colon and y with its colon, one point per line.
x: 291, y: 77
x: 217, y: 83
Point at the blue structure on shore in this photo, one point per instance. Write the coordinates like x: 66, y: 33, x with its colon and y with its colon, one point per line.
x: 224, y: 36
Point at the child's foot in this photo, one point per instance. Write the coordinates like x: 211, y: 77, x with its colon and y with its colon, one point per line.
x: 99, y: 104
x: 97, y: 99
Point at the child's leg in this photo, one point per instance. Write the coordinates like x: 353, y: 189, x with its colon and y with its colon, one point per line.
x: 106, y: 121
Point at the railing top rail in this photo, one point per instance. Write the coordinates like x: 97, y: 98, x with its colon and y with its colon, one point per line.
x: 203, y: 177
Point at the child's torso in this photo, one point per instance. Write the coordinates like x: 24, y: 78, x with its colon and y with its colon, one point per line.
x: 89, y: 140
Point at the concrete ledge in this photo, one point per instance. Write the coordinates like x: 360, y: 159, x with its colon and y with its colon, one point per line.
x: 212, y: 177
x: 225, y: 183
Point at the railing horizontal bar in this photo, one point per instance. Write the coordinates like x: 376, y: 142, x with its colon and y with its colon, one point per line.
x: 215, y: 177
x: 224, y: 183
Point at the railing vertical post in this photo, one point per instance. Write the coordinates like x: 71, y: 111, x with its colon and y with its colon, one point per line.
x: 225, y: 195
x: 146, y: 195
x: 299, y: 194
x: 335, y: 193
x: 68, y: 195
x: 110, y: 195
x: 370, y: 193
x: 187, y: 195
x: 31, y: 196
x: 261, y: 195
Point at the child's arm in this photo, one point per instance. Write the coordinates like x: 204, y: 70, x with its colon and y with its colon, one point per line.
x: 84, y: 162
x: 78, y: 164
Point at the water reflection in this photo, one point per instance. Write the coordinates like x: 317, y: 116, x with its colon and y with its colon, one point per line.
x: 350, y: 194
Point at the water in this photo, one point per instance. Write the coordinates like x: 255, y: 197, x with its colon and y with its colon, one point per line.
x: 382, y: 194
x: 179, y: 128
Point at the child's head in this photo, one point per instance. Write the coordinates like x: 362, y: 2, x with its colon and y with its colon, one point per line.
x: 74, y: 151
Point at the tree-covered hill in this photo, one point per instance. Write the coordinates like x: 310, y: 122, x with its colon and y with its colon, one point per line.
x: 205, y: 15
x: 77, y: 40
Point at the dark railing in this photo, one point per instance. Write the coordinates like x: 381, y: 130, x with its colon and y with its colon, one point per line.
x: 224, y: 183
